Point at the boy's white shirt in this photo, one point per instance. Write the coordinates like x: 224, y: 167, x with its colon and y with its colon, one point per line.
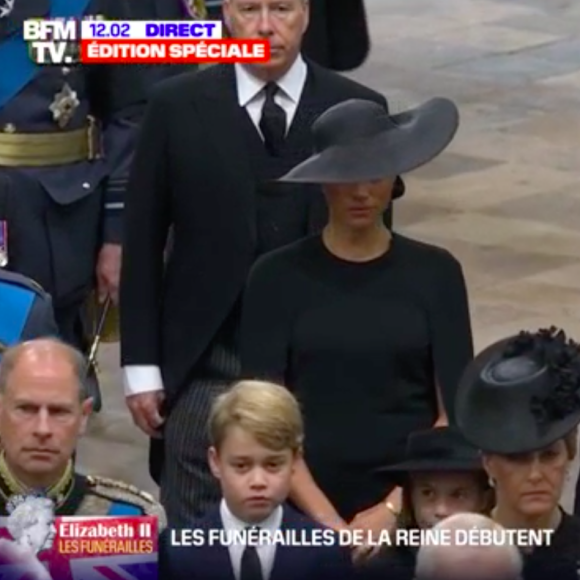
x: 266, y: 553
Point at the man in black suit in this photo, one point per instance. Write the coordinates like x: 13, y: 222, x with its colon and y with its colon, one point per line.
x: 210, y: 148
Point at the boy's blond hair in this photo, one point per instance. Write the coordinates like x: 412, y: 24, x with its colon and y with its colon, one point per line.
x: 268, y: 412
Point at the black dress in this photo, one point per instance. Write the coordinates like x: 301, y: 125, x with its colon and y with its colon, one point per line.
x: 359, y: 344
x: 561, y: 559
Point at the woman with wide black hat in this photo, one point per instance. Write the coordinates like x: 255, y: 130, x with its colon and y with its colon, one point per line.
x: 441, y: 475
x: 369, y: 328
x: 519, y: 402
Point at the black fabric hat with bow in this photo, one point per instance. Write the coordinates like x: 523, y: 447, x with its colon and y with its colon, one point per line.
x: 521, y: 394
x: 438, y: 449
x: 358, y: 141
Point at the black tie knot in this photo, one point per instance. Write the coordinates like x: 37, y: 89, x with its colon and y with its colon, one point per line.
x: 271, y: 89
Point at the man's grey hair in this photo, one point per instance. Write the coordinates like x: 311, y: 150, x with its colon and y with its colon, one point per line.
x: 500, y: 562
x: 12, y: 356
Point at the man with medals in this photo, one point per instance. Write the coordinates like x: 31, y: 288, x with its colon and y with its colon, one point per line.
x: 66, y: 142
x: 43, y: 411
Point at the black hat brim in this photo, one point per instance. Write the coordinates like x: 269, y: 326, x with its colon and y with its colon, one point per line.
x: 421, y: 134
x: 401, y: 471
x: 503, y: 428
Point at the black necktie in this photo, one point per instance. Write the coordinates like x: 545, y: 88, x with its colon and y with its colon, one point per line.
x: 251, y: 568
x: 273, y: 121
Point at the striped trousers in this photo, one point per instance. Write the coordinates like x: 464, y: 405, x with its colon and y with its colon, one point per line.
x: 188, y: 489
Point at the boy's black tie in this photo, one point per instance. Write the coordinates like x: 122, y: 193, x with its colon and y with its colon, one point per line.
x: 273, y: 121
x: 251, y: 568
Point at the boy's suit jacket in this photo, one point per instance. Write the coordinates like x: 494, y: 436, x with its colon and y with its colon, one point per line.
x: 290, y: 562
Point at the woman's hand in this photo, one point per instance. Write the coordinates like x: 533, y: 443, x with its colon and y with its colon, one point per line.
x: 372, y: 521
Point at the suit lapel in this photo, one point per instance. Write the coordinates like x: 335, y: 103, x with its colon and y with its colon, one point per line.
x: 23, y: 10
x: 315, y: 99
x: 222, y: 118
x: 304, y: 115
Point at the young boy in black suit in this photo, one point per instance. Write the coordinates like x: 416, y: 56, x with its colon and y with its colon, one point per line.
x: 256, y: 432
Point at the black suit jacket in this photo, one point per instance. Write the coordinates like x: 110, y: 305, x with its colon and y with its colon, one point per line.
x: 328, y: 562
x: 192, y: 171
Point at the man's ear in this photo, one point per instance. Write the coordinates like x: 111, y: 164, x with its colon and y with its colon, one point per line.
x: 86, y: 410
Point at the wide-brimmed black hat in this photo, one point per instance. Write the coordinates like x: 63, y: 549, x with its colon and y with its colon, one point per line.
x: 357, y: 141
x: 522, y: 393
x: 438, y: 449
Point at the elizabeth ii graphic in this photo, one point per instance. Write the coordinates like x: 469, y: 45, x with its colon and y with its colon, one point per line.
x: 31, y: 525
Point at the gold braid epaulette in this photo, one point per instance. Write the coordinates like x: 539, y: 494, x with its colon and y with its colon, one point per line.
x: 115, y: 490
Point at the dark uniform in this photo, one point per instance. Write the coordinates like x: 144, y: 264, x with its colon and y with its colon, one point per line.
x: 82, y: 495
x: 66, y: 140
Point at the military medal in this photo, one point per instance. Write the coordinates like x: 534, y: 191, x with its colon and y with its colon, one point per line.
x: 3, y: 244
x: 6, y: 8
x: 196, y: 9
x: 64, y: 105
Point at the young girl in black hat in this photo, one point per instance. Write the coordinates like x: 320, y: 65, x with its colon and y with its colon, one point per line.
x: 370, y: 329
x: 442, y: 475
x: 519, y: 402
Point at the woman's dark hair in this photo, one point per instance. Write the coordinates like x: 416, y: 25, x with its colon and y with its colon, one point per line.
x: 406, y: 519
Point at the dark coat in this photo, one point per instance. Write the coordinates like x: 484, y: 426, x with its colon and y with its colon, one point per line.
x: 338, y: 34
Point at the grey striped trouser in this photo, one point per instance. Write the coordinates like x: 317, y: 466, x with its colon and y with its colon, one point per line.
x: 188, y: 489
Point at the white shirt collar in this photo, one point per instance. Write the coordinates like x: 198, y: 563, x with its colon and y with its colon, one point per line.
x: 291, y: 83
x: 231, y: 522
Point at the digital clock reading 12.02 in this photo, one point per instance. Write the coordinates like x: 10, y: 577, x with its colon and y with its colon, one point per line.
x: 96, y: 29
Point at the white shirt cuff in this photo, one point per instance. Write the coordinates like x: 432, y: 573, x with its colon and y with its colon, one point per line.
x: 138, y: 379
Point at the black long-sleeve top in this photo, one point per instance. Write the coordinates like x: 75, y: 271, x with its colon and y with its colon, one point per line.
x: 361, y: 345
